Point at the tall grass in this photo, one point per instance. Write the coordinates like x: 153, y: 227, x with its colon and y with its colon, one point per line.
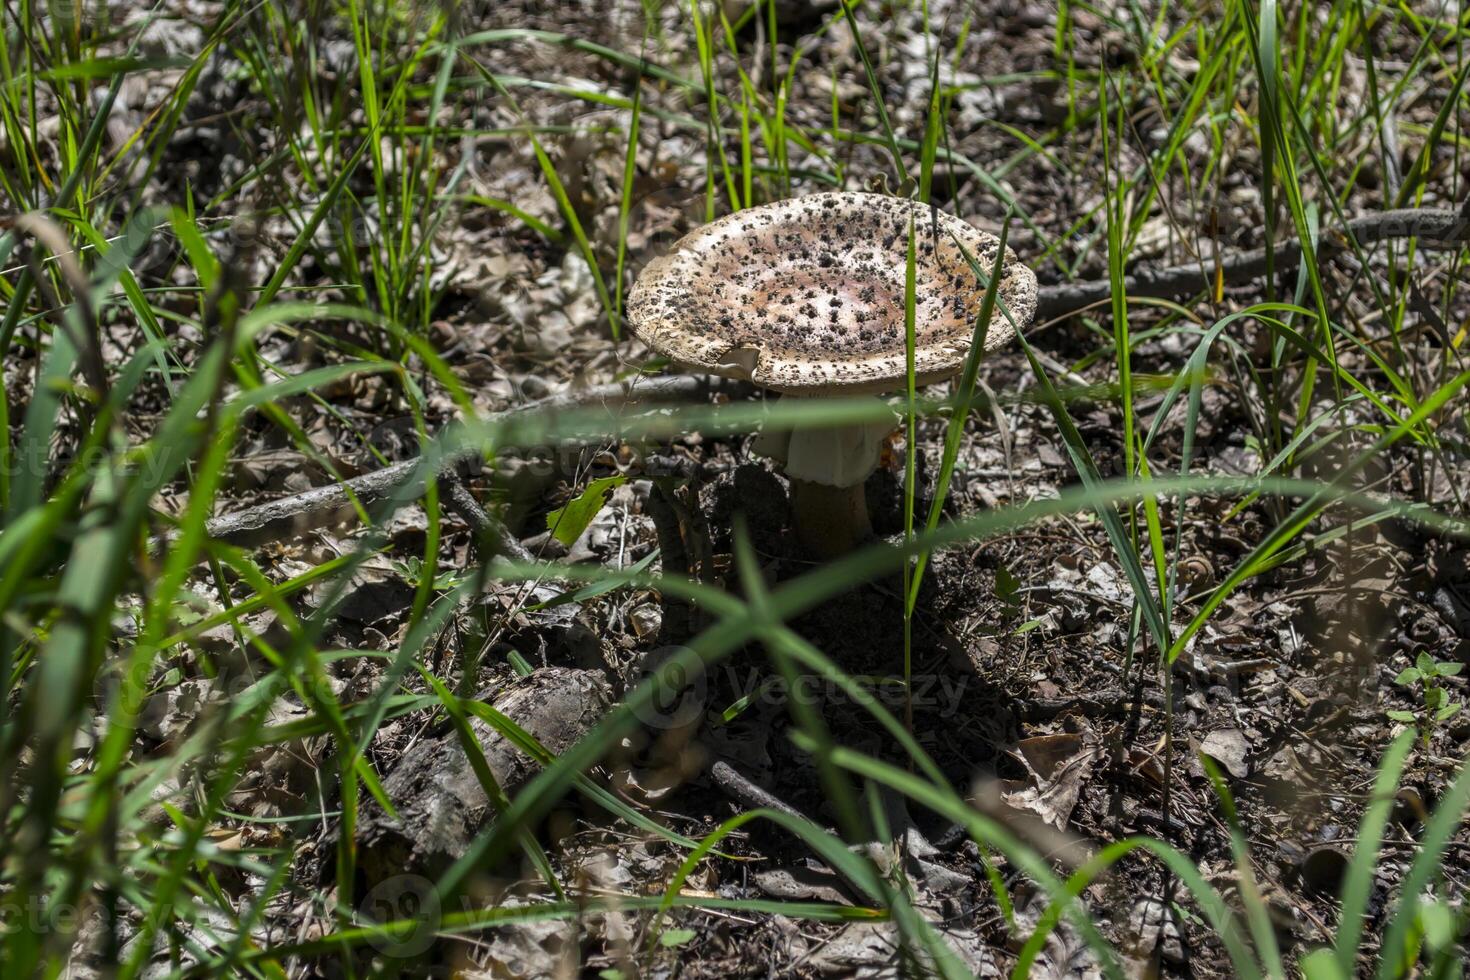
x: 131, y: 380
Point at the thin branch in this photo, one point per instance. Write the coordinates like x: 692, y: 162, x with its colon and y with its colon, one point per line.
x: 741, y: 789
x: 319, y: 506
x: 492, y: 536
x: 1434, y: 227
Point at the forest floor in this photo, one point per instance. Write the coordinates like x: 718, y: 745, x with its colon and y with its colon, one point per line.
x: 1035, y: 686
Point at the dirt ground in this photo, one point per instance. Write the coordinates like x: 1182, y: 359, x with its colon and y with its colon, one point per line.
x: 1034, y: 688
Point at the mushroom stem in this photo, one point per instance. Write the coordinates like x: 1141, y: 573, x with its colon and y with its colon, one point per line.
x: 830, y: 521
x: 827, y: 467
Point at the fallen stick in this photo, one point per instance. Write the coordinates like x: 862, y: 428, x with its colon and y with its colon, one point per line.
x: 496, y: 537
x: 290, y: 516
x: 1434, y: 227
x: 742, y: 790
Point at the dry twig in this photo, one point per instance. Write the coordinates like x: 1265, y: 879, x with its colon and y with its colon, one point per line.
x: 319, y: 506
x: 1434, y: 227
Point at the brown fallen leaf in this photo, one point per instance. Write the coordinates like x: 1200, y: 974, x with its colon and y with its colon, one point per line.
x: 1060, y: 766
x: 1152, y: 934
x: 1038, y: 809
x: 805, y: 884
x: 1146, y: 765
x: 1228, y: 747
x: 1066, y: 955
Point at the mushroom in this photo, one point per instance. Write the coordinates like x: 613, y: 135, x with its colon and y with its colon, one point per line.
x: 806, y: 297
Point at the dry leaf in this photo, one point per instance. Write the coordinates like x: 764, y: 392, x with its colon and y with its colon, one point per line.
x: 1060, y: 765
x: 1229, y: 748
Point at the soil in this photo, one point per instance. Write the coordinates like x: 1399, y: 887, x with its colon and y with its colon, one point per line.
x: 1030, y: 675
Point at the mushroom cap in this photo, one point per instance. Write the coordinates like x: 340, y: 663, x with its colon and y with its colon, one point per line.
x: 807, y: 295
